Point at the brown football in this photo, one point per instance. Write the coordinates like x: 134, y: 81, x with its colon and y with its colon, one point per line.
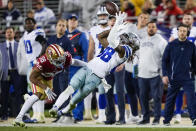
x: 111, y: 8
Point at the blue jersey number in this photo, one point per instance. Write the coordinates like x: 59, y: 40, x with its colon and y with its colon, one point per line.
x: 106, y: 55
x: 28, y: 47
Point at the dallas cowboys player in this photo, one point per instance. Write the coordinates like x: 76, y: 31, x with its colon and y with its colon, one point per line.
x: 121, y: 47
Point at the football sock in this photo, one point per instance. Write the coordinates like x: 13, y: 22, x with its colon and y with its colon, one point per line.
x: 64, y: 96
x: 28, y: 103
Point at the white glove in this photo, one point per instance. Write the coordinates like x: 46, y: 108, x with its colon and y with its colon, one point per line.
x: 120, y: 17
x: 51, y: 95
x: 106, y: 86
x: 124, y: 26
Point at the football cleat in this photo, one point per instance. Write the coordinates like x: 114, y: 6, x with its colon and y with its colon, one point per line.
x: 53, y: 111
x: 18, y: 122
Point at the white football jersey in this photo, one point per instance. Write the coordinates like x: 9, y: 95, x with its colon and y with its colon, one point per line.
x: 108, y: 60
x: 94, y: 31
x: 32, y: 47
x: 191, y: 37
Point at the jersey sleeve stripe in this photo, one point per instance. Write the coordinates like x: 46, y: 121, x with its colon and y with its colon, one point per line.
x: 127, y: 51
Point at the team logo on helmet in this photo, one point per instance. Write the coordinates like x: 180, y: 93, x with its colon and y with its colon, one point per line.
x: 55, y: 55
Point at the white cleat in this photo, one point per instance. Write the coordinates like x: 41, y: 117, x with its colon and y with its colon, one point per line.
x: 178, y: 119
x: 133, y: 119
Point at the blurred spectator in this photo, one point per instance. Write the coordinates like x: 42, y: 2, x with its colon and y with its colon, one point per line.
x: 79, y: 43
x: 3, y: 3
x: 168, y: 13
x: 67, y: 7
x: 128, y: 7
x: 148, y: 6
x: 131, y: 83
x: 190, y: 7
x: 61, y: 80
x: 43, y: 15
x: 31, y: 14
x: 138, y: 6
x: 89, y: 10
x: 10, y: 75
x: 172, y: 13
x: 149, y: 77
x: 161, y: 8
x: 11, y: 13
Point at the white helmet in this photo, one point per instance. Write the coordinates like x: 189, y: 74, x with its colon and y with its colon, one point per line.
x: 102, y: 11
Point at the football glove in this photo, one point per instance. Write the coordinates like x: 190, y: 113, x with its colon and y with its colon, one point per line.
x: 51, y: 95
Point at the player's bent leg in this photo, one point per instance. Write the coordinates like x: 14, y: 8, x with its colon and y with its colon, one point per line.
x: 61, y: 99
x: 92, y: 81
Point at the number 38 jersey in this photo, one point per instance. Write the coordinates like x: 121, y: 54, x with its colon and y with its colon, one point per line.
x: 32, y: 47
x: 107, y: 61
x: 49, y: 70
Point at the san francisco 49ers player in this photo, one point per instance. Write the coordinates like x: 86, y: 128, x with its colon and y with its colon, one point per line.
x: 54, y: 61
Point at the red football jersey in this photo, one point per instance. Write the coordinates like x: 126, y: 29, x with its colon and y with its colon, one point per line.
x: 49, y: 70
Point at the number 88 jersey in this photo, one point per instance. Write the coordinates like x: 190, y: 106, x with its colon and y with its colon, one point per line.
x: 107, y: 61
x: 32, y: 47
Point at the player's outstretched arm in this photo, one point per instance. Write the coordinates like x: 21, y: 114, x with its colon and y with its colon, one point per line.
x: 36, y: 77
x: 102, y: 37
x: 76, y: 62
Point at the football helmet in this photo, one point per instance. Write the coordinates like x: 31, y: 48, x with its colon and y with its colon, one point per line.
x: 130, y: 39
x: 56, y: 55
x: 102, y: 11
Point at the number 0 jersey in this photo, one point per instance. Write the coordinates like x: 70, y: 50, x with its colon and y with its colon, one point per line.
x: 48, y: 69
x: 32, y: 47
x: 108, y: 60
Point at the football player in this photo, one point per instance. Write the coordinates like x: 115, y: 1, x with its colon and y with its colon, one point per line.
x: 54, y: 61
x: 95, y: 48
x: 33, y: 48
x: 121, y: 47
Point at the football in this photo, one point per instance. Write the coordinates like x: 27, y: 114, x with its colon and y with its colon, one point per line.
x: 111, y: 8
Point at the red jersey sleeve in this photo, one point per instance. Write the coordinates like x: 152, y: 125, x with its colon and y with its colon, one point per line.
x: 68, y: 58
x: 40, y: 62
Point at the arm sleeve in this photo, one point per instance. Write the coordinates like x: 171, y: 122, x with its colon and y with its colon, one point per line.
x: 76, y: 62
x: 165, y: 60
x: 84, y: 44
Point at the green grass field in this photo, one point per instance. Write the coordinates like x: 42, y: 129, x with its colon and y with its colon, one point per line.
x: 91, y: 129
